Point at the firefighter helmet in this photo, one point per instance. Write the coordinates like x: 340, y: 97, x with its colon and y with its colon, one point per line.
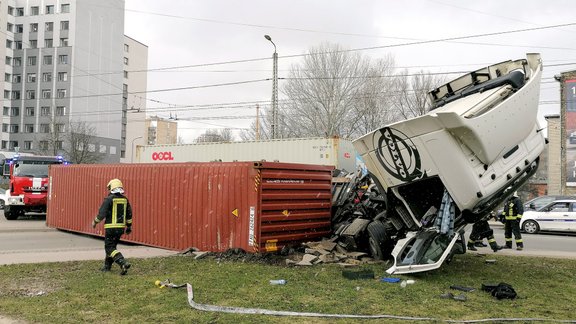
x: 114, y: 183
x: 513, y: 195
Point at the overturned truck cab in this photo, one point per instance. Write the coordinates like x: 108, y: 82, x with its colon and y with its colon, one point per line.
x: 438, y: 172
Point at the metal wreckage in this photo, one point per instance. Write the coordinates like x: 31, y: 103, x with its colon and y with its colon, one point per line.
x: 430, y: 176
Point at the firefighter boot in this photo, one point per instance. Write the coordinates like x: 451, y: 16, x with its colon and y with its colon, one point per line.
x: 471, y: 246
x: 495, y: 247
x: 519, y: 247
x: 107, y: 264
x: 124, y: 265
x: 480, y: 244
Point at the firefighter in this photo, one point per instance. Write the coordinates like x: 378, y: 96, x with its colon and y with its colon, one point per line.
x: 480, y: 230
x: 513, y: 210
x: 116, y: 213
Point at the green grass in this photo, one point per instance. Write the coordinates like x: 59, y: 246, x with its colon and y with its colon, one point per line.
x: 72, y: 292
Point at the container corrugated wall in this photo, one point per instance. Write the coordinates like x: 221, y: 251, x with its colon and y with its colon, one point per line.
x: 212, y: 206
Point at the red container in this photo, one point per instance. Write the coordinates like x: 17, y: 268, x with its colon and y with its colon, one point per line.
x: 255, y: 206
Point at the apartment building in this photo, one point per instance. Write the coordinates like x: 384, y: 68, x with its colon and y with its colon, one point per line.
x: 134, y: 97
x: 63, y: 66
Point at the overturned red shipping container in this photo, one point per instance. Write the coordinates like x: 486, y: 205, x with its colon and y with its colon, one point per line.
x: 255, y: 206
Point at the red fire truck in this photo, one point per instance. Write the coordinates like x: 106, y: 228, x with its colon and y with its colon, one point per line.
x: 28, y: 184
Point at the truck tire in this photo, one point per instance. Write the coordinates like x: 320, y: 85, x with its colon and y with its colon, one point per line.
x: 378, y: 240
x: 10, y: 213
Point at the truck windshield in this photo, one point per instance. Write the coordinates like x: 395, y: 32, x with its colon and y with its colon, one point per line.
x: 31, y: 170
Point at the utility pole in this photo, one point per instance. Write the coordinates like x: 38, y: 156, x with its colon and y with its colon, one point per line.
x: 274, y: 90
x: 257, y: 122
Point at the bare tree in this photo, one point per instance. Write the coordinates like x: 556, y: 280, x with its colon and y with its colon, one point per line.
x: 52, y: 142
x: 79, y: 143
x: 412, y: 96
x: 215, y: 136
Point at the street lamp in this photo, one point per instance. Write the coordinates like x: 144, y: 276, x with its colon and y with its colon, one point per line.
x: 132, y: 152
x: 274, y: 90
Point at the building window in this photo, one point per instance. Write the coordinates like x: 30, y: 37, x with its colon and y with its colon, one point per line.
x: 126, y: 74
x: 8, y: 60
x: 46, y: 94
x: 31, y: 77
x: 29, y: 128
x: 6, y: 94
x: 33, y: 43
x: 59, y: 128
x: 125, y: 87
x: 63, y: 42
x: 14, y: 111
x: 5, y: 128
x: 61, y: 93
x: 15, y: 94
x: 9, y: 27
x: 17, y: 61
x: 19, y: 12
x: 8, y: 43
x: 63, y: 59
x: 49, y: 9
x: 60, y: 111
x: 7, y: 77
x: 34, y: 11
x: 31, y: 60
x: 30, y: 94
x: 47, y: 76
x: 48, y: 43
x: 18, y: 45
x: 30, y: 111
x: 11, y: 11
x: 12, y: 145
x: 19, y: 29
x: 17, y: 78
x: 6, y: 111
x: 58, y: 145
x: 27, y: 145
x: 49, y: 26
x: 65, y: 8
x: 47, y: 60
x: 34, y: 27
x: 44, y: 128
x: 126, y: 60
x: 64, y: 25
x: 45, y: 111
x: 43, y: 145
x: 13, y: 128
x: 62, y: 76
x: 126, y: 48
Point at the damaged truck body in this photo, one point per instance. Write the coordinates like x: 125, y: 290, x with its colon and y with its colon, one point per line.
x: 430, y: 176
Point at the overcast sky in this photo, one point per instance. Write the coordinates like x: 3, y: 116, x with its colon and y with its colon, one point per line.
x: 188, y: 36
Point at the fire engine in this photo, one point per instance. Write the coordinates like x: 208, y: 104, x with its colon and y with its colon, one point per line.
x: 28, y: 183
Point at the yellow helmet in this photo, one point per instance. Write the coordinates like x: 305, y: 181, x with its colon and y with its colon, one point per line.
x: 114, y: 183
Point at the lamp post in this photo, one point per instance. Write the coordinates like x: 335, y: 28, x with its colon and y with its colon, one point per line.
x: 132, y: 151
x: 274, y: 90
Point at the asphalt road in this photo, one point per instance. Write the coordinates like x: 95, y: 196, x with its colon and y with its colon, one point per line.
x: 556, y: 245
x: 29, y: 240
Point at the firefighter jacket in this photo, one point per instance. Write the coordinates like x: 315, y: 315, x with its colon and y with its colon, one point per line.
x: 115, y: 211
x: 513, y: 209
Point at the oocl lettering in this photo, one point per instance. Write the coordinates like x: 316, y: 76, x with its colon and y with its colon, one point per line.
x: 162, y: 156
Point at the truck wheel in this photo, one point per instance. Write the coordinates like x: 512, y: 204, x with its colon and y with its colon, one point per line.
x: 10, y: 213
x: 377, y: 240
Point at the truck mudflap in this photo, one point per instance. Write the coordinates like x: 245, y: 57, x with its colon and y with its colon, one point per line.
x: 424, y: 251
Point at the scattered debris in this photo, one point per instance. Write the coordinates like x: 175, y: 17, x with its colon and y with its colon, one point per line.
x: 462, y: 288
x: 390, y: 280
x: 360, y: 274
x: 450, y: 295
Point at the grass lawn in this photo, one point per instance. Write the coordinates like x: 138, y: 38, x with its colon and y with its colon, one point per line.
x: 72, y: 292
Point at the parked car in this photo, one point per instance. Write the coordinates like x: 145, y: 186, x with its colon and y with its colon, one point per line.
x: 559, y: 215
x: 535, y: 204
x: 2, y: 198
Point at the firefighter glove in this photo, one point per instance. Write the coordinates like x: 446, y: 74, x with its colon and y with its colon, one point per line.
x: 94, y: 223
x: 128, y: 230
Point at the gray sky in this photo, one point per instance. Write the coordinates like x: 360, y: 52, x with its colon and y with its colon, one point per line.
x: 181, y: 33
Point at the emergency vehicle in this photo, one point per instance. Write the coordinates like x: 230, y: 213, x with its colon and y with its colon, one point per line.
x: 28, y: 183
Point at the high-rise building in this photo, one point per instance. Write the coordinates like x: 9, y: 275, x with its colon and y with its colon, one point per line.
x: 161, y: 131
x: 63, y: 68
x: 134, y: 97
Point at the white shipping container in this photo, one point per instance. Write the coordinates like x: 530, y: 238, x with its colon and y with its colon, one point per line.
x: 324, y: 151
